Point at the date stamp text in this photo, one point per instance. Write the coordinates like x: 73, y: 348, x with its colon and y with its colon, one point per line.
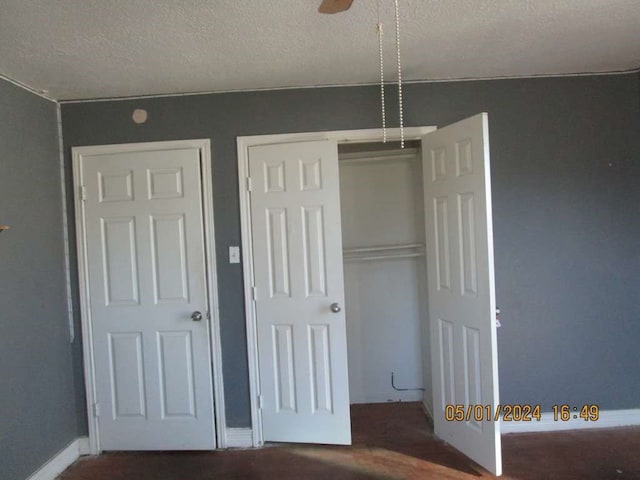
x: 519, y: 413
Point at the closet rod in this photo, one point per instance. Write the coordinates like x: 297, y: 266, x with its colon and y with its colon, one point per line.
x: 380, y: 248
x: 382, y: 257
x: 384, y: 156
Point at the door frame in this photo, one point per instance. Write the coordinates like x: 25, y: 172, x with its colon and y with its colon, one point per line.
x: 243, y: 145
x: 204, y: 148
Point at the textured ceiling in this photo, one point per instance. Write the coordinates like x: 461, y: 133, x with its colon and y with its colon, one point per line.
x: 75, y: 49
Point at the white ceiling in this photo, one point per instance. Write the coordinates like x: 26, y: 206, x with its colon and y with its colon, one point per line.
x: 74, y: 49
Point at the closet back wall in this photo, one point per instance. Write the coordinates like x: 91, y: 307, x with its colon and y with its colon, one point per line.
x: 381, y: 203
x: 565, y: 169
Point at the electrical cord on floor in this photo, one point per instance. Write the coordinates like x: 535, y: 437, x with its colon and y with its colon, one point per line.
x: 403, y: 389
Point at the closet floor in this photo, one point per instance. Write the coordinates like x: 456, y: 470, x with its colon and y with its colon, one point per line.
x: 390, y: 441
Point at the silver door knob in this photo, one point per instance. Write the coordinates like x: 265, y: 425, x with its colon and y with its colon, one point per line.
x: 196, y: 316
x: 335, y: 307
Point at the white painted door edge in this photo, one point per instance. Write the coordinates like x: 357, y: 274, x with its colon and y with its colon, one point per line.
x: 204, y: 147
x: 212, y: 284
x: 243, y: 144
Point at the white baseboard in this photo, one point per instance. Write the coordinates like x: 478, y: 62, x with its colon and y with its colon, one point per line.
x: 60, y: 461
x: 607, y: 419
x: 239, y: 438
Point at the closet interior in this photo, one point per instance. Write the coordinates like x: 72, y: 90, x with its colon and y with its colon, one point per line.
x: 382, y: 208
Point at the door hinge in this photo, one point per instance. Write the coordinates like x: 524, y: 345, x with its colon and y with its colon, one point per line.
x: 249, y: 184
x: 254, y: 293
x: 260, y: 402
x: 96, y: 410
x: 82, y: 191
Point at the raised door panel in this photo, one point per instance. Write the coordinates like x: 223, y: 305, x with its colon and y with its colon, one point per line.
x: 127, y: 376
x: 322, y: 396
x: 278, y: 252
x: 119, y: 260
x: 115, y: 186
x: 314, y: 255
x: 164, y: 183
x: 467, y: 244
x: 177, y: 387
x: 447, y: 365
x: 285, y: 381
x: 169, y: 257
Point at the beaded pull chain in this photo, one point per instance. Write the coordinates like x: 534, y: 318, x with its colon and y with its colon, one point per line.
x: 380, y: 54
x: 380, y: 33
x: 399, y: 75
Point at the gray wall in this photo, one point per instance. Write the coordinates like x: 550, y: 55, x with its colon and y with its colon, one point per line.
x: 37, y: 402
x: 565, y: 170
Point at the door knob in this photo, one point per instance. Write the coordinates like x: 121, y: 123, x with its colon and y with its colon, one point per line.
x: 335, y: 307
x: 196, y: 316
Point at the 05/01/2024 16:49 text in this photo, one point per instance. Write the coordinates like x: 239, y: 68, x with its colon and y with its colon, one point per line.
x: 519, y: 413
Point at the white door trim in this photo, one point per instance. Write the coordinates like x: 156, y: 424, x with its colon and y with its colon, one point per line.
x: 340, y: 136
x: 204, y: 147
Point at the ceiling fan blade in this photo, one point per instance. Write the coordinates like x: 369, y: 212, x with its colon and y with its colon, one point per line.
x: 334, y: 6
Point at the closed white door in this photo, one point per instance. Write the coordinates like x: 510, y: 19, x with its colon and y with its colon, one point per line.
x: 462, y: 304
x: 146, y: 284
x: 297, y: 259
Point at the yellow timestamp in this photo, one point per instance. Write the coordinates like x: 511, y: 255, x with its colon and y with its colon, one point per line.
x: 480, y: 413
x: 519, y: 413
x: 586, y: 412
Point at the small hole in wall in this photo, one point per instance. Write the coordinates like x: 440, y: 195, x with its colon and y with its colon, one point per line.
x: 139, y: 116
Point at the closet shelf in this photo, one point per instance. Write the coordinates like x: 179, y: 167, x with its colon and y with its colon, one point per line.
x: 369, y: 258
x: 383, y: 252
x: 382, y: 248
x: 383, y: 156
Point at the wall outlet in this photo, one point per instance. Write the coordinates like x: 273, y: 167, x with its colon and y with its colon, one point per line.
x: 234, y: 254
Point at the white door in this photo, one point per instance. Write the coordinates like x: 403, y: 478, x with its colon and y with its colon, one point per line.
x: 461, y: 287
x: 146, y: 276
x: 297, y: 258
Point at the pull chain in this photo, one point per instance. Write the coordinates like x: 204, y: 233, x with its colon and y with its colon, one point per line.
x: 380, y: 33
x: 399, y: 75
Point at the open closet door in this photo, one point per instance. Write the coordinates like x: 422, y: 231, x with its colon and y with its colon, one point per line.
x: 459, y: 245
x: 299, y: 292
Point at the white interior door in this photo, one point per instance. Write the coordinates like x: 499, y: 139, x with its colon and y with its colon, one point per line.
x: 297, y: 258
x: 146, y: 276
x: 461, y: 286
